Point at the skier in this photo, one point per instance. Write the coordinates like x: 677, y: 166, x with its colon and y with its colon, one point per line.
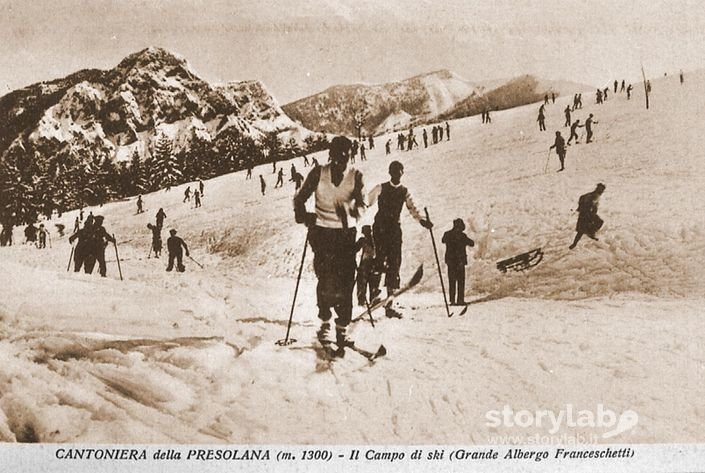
x: 616, y: 84
x: 391, y: 196
x: 175, y: 244
x: 623, y: 86
x: 680, y: 76
x: 298, y: 179
x: 83, y: 252
x: 440, y: 133
x: 60, y: 227
x: 353, y: 153
x: 292, y: 170
x: 160, y: 218
x: 545, y: 99
x: 559, y: 144
x: 156, y: 239
x: 364, y: 270
x: 371, y: 142
x: 434, y: 135
x: 629, y: 91
x: 574, y: 131
x: 307, y: 163
x: 567, y: 116
x: 424, y: 135
x: 339, y: 194
x: 488, y: 118
x: 604, y: 94
x: 447, y: 132
x: 187, y: 194
x: 388, y: 147
x: 139, y: 204
x: 6, y: 235
x: 197, y: 199
x: 400, y: 141
x: 249, y: 172
x: 598, y: 96
x: 456, y: 259
x: 541, y: 119
x: 280, y: 178
x: 81, y: 214
x: 588, y: 220
x: 274, y: 167
x: 588, y: 128
x: 580, y: 100
x: 42, y: 234
x: 201, y: 187
x: 100, y: 241
x: 30, y: 234
x: 363, y: 157
x: 76, y: 225
x: 262, y: 184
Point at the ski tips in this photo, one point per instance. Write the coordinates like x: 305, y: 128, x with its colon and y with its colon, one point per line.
x: 381, y: 351
x: 285, y: 342
x: 465, y: 309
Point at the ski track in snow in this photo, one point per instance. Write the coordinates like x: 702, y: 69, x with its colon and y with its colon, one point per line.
x: 190, y: 358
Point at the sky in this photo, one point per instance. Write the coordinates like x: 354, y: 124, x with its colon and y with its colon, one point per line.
x: 298, y: 48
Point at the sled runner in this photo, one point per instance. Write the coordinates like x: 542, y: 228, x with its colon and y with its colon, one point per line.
x: 521, y: 262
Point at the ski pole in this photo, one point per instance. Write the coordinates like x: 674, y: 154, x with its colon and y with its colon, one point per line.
x: 149, y: 255
x: 68, y: 266
x: 548, y: 157
x: 286, y: 340
x: 117, y: 257
x: 438, y: 264
x: 199, y: 264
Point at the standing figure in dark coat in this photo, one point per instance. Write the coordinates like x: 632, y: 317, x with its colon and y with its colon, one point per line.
x: 588, y: 220
x: 175, y: 244
x: 100, y: 240
x: 83, y: 252
x: 456, y: 258
x: 160, y: 218
x: 156, y: 239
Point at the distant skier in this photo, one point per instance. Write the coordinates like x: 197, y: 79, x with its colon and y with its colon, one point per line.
x: 249, y: 172
x: 616, y: 84
x: 371, y: 142
x: 100, y: 240
x: 76, y: 225
x: 488, y: 117
x: 338, y: 194
x: 156, y: 240
x: 298, y: 179
x: 447, y: 131
x: 598, y: 96
x: 553, y: 97
x: 424, y: 135
x: 580, y: 100
x: 440, y: 133
x: 545, y: 99
x: 160, y: 218
x: 42, y: 236
x: 567, y: 116
x: 391, y: 196
x: 456, y: 259
x: 541, y: 119
x: 83, y: 251
x: 629, y: 91
x: 388, y: 147
x: 588, y: 128
x: 201, y: 187
x: 6, y: 235
x: 176, y: 245
x: 604, y: 94
x: 280, y: 178
x: 364, y: 269
x: 559, y: 144
x: 187, y: 194
x: 353, y: 152
x: 197, y: 199
x: 80, y: 214
x: 400, y: 141
x: 680, y: 76
x: 307, y: 163
x: 434, y: 135
x: 262, y: 184
x: 574, y: 131
x: 60, y: 227
x: 139, y: 204
x: 274, y: 167
x: 30, y: 234
x: 363, y: 156
x: 623, y: 86
x: 588, y: 220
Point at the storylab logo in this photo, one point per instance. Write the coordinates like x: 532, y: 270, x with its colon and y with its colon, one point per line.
x: 602, y: 419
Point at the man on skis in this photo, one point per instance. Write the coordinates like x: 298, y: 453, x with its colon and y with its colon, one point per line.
x: 559, y: 144
x: 338, y: 195
x: 390, y: 197
x: 456, y: 258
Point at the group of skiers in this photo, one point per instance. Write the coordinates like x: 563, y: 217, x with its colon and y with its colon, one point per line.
x: 339, y: 198
x: 92, y: 239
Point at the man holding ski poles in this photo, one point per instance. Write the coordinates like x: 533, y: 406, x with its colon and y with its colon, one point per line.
x: 390, y: 197
x: 339, y: 195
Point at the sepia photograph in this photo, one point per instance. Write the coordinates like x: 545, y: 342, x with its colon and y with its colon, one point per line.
x: 388, y: 234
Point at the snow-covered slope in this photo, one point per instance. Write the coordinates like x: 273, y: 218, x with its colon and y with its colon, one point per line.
x: 169, y: 357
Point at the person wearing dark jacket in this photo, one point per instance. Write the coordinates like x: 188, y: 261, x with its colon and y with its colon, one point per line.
x: 559, y: 144
x: 100, y: 241
x: 364, y: 269
x: 456, y: 258
x: 588, y: 220
x: 160, y: 218
x: 176, y: 245
x: 156, y: 239
x: 83, y: 252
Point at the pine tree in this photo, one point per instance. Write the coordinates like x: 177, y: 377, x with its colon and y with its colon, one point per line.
x: 18, y: 202
x: 137, y: 177
x: 166, y: 169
